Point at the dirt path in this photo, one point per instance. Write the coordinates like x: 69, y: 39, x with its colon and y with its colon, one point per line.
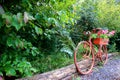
x: 110, y: 71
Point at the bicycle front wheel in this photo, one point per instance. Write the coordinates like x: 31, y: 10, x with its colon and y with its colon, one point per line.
x: 83, y: 58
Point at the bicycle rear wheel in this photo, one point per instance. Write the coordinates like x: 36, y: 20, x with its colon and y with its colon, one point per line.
x: 83, y: 58
x: 104, y: 57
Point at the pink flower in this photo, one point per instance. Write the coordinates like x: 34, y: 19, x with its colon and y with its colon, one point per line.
x: 1, y: 78
x: 104, y: 31
x: 111, y: 33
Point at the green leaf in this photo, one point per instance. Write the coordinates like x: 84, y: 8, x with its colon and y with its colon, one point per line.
x: 10, y: 72
x: 8, y: 63
x: 38, y: 30
x: 20, y: 70
x: 67, y: 50
x: 33, y: 69
x: 103, y: 36
x: 94, y: 36
x: 8, y: 19
x: 20, y: 19
x: 37, y: 16
x: 1, y: 74
x: 18, y: 42
x: 34, y: 51
x: 4, y: 58
x: 15, y: 23
x: 21, y: 64
x: 28, y: 73
x: 10, y: 42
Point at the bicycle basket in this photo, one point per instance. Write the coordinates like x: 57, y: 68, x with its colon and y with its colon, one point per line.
x: 101, y: 41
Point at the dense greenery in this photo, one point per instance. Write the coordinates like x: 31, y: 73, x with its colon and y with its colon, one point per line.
x: 36, y: 34
x: 32, y: 31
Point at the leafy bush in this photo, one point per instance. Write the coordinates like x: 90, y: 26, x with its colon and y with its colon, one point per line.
x: 12, y: 45
x: 86, y: 22
x: 108, y: 13
x: 33, y: 29
x: 15, y: 65
x: 51, y: 62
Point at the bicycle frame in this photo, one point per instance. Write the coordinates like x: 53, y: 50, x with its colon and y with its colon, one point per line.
x: 99, y: 52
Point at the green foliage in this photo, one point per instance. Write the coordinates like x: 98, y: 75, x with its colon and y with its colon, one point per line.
x: 86, y: 22
x: 114, y: 43
x: 103, y: 36
x: 12, y: 64
x: 13, y: 20
x: 94, y: 36
x: 108, y: 14
x: 30, y: 31
x: 14, y: 48
x: 51, y: 62
x: 112, y: 48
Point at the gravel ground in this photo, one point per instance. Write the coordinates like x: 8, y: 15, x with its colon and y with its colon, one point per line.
x: 110, y: 71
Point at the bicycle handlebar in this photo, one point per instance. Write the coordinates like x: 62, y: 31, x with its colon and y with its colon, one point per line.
x: 96, y: 30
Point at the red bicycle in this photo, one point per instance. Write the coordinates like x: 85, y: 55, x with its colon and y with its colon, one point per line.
x: 89, y: 52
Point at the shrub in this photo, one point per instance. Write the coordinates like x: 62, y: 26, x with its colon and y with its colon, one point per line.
x: 86, y: 22
x: 31, y: 29
x: 108, y: 14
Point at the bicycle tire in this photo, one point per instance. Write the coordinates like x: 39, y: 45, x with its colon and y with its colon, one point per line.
x: 83, y: 54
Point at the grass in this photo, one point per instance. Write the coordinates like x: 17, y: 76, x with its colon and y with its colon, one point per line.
x: 51, y: 62
x: 117, y: 55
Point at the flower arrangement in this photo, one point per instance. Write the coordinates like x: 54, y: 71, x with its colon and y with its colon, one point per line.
x: 103, y: 34
x: 101, y: 37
